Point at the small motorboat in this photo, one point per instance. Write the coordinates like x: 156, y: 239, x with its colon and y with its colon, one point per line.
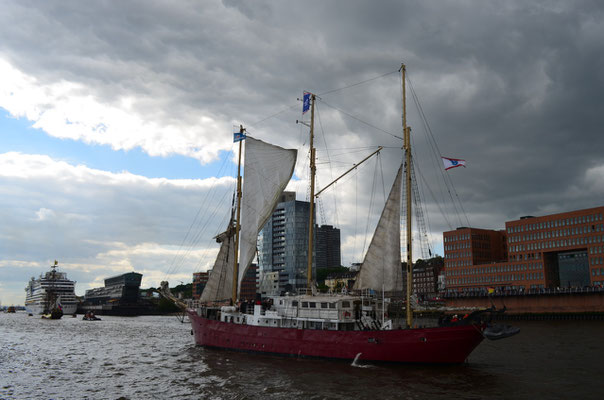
x: 89, y: 316
x: 499, y: 331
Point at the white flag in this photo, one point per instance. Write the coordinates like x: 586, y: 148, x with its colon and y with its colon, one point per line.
x: 453, y: 162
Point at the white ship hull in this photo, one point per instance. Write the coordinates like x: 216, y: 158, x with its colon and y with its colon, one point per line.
x: 38, y: 309
x: 51, y: 287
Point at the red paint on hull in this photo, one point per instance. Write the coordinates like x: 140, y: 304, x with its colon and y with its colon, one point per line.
x: 426, y: 345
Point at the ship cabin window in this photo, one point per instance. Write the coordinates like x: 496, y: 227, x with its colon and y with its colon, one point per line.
x: 346, y: 326
x: 332, y: 305
x: 281, y: 302
x: 295, y: 303
x: 313, y: 304
x: 323, y: 305
x: 305, y: 304
x: 345, y: 304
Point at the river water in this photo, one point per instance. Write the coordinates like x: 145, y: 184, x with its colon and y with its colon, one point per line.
x: 154, y: 357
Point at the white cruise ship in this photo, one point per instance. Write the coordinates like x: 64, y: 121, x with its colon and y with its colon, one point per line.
x: 50, y: 288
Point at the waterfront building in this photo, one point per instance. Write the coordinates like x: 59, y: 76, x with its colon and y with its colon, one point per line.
x: 339, y: 280
x: 283, y: 241
x: 425, y: 277
x: 564, y: 250
x: 119, y: 296
x: 124, y: 288
x: 199, y: 283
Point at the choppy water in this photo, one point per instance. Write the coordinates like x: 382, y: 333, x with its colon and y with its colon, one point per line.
x: 155, y: 358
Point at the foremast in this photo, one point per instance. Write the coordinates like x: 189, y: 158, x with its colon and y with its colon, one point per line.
x: 407, y: 148
x: 237, y: 225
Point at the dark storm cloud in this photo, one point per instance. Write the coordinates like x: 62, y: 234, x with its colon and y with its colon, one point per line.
x: 516, y: 88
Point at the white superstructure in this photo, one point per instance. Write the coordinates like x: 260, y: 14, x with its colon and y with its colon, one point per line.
x: 51, y: 286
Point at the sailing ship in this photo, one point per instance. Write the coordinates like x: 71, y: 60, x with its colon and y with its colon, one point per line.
x: 348, y: 326
x: 51, y: 295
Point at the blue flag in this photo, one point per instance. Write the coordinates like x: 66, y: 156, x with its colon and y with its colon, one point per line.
x: 305, y: 102
x: 238, y: 136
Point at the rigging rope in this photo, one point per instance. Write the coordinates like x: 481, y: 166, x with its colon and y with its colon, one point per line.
x: 330, y: 172
x: 186, y: 246
x: 358, y: 83
x: 419, y: 215
x: 437, y: 154
x: 361, y: 121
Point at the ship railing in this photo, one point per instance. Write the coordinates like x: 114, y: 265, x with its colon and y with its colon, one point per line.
x: 524, y: 292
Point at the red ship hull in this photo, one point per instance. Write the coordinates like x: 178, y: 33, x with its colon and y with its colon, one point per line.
x: 426, y: 345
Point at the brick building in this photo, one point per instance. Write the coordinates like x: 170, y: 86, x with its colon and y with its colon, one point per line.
x: 199, y: 283
x: 557, y: 250
x: 425, y: 277
x: 249, y: 283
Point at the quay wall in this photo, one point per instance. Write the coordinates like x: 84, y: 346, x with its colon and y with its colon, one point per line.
x: 568, y: 303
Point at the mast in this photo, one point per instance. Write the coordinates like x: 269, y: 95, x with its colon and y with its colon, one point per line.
x: 407, y: 148
x: 235, y: 259
x: 313, y: 168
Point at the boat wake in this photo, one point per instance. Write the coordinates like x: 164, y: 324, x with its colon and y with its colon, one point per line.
x: 355, y: 362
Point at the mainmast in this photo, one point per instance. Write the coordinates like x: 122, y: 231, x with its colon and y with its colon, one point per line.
x: 407, y: 148
x: 313, y: 168
x: 237, y: 226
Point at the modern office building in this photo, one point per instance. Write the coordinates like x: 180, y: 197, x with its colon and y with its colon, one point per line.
x: 327, y: 253
x: 283, y: 242
x: 273, y: 283
x: 559, y: 250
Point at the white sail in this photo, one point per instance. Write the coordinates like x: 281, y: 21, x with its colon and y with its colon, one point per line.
x: 381, y: 268
x: 267, y: 171
x: 220, y: 282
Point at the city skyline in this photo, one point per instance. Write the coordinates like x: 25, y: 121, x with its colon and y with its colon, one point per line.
x: 116, y: 121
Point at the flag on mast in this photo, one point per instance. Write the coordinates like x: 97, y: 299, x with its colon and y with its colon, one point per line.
x: 453, y: 163
x: 239, y: 136
x: 305, y: 102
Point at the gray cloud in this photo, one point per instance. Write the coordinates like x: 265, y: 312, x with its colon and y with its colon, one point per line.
x: 515, y: 88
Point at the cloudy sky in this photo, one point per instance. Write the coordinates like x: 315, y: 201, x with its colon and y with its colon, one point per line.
x: 116, y: 119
